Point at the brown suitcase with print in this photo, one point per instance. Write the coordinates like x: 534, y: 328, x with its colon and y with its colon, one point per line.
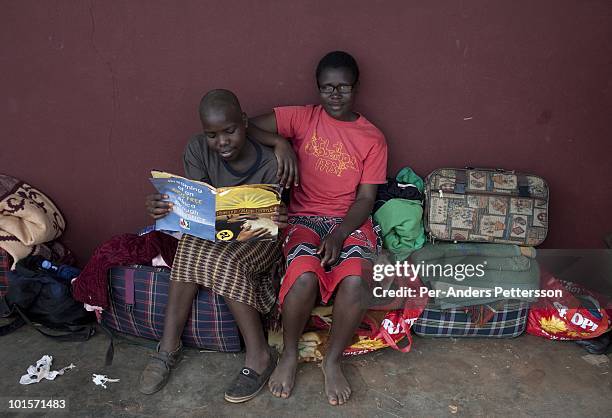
x: 486, y: 205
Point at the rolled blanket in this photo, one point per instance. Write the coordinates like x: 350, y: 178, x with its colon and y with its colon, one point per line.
x: 509, y: 264
x: 513, y: 270
x: 28, y: 218
x: 444, y: 268
x: 440, y: 250
x: 505, y: 280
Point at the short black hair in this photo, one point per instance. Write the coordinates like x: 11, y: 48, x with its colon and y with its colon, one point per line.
x: 338, y: 59
x: 220, y: 99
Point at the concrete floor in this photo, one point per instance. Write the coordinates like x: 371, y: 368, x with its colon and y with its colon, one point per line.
x: 527, y: 376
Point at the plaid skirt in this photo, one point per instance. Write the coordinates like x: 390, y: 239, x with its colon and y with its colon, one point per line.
x: 240, y: 271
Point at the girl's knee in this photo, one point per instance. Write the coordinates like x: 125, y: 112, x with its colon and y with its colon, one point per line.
x: 307, y: 284
x: 354, y: 287
x: 307, y: 281
x: 303, y: 291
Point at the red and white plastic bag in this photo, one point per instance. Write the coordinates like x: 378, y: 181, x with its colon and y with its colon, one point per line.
x: 578, y: 314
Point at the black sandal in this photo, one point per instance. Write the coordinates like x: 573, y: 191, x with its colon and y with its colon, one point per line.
x: 249, y: 383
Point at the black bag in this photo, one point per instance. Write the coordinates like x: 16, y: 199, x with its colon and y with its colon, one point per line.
x: 394, y: 189
x: 36, y: 296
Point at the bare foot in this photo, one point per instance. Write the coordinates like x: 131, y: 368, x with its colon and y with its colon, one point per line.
x: 337, y: 388
x: 282, y: 380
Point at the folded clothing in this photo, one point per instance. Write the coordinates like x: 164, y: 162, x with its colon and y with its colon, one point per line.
x: 401, y: 223
x: 514, y: 264
x: 445, y: 249
x: 444, y: 268
x: 406, y: 185
x: 396, y: 190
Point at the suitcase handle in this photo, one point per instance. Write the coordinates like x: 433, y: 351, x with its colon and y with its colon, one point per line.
x: 523, y: 183
x: 129, y: 290
x: 499, y: 170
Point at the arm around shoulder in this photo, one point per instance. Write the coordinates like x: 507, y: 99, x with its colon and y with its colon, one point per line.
x: 264, y: 130
x: 265, y: 122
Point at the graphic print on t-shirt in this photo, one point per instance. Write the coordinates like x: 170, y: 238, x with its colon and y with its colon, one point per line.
x: 332, y: 159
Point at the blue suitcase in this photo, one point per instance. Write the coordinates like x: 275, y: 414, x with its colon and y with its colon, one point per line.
x: 508, y: 321
x: 138, y: 296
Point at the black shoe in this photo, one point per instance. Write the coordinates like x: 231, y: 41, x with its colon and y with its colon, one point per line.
x: 249, y: 383
x: 599, y: 345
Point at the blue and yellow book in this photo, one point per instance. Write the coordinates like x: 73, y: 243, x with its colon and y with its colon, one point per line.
x: 240, y: 213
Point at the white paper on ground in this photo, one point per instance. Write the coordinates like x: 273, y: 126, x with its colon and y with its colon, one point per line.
x: 42, y: 370
x: 91, y: 308
x: 102, y: 380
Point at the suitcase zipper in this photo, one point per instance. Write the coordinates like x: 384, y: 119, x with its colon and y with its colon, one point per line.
x: 486, y: 192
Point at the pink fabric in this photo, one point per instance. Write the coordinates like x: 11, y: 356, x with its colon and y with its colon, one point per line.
x: 91, y: 286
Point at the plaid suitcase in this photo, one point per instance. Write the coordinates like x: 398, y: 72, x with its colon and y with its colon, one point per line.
x: 485, y: 205
x: 509, y: 321
x: 138, y: 298
x: 5, y: 265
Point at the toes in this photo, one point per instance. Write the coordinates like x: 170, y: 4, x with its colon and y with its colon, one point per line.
x: 347, y: 394
x: 275, y: 389
x: 333, y: 399
x: 280, y: 390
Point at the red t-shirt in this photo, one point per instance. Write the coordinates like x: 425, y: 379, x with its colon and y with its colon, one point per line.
x: 334, y: 157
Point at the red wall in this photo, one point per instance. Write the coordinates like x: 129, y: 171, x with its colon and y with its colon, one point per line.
x: 94, y: 94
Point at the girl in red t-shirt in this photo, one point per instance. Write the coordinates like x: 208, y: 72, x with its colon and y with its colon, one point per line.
x: 330, y: 241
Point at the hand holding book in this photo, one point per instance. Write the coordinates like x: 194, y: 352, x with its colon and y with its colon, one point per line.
x: 156, y: 206
x: 240, y: 213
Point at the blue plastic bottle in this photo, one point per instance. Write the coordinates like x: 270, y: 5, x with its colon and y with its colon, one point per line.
x: 61, y: 271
